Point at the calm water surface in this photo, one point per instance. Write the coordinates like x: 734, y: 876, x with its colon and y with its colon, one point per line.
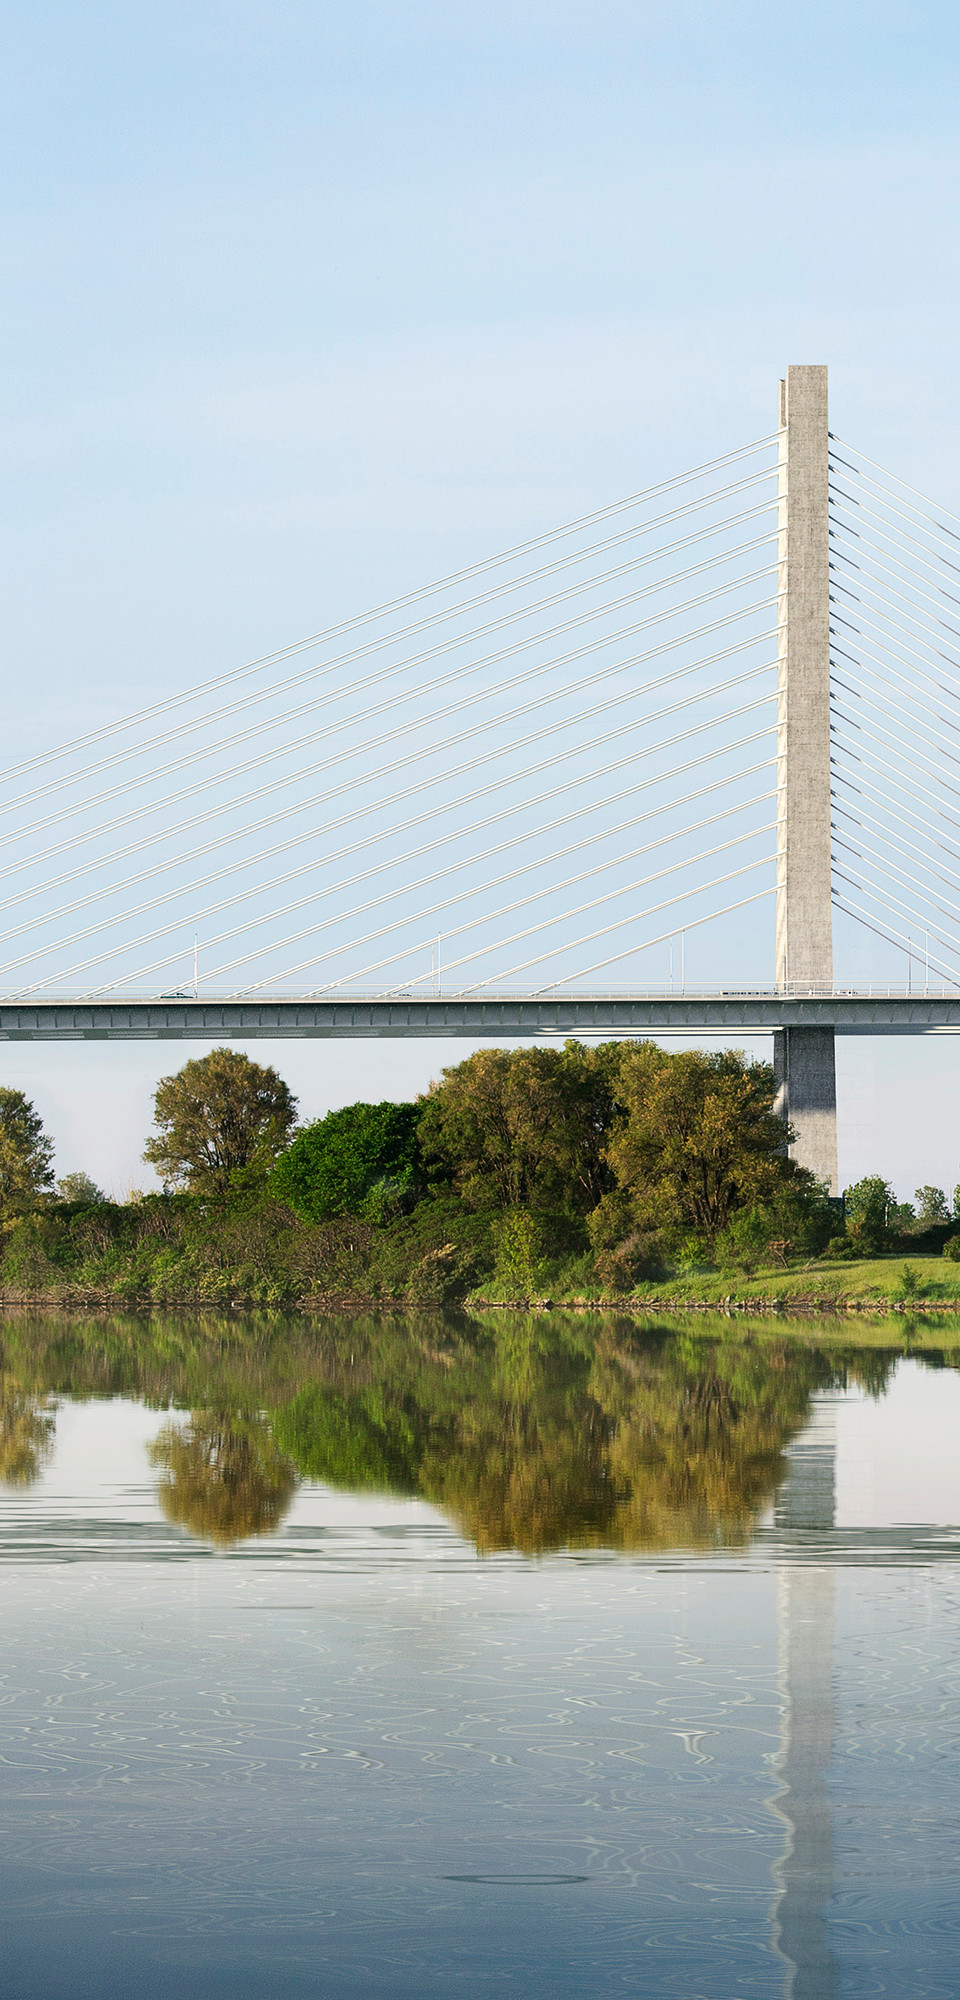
x: 533, y: 1655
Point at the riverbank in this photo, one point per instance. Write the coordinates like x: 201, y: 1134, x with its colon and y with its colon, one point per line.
x: 918, y: 1286
x: 182, y: 1253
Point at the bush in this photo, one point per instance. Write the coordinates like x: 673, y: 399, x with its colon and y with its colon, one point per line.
x: 362, y: 1160
x: 694, y: 1254
x: 638, y: 1259
x: 841, y: 1246
x: 951, y: 1249
x: 443, y: 1277
x: 745, y: 1242
x: 909, y: 1284
x: 518, y: 1273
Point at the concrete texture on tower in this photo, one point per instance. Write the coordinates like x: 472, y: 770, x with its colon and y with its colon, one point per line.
x: 804, y: 1057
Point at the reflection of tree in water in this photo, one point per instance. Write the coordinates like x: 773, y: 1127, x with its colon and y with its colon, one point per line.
x: 532, y: 1431
x: 27, y: 1433
x: 698, y: 1447
x: 224, y: 1478
x: 547, y: 1435
x: 527, y: 1466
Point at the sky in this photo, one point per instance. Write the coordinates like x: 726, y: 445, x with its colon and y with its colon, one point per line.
x: 306, y: 305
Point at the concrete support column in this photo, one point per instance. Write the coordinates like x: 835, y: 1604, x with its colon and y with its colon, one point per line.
x: 804, y: 1057
x: 804, y: 949
x: 804, y: 1063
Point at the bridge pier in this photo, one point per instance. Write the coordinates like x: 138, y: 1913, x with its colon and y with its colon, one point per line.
x: 805, y: 1067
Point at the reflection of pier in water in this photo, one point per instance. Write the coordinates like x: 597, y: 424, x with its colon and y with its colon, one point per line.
x: 806, y: 1590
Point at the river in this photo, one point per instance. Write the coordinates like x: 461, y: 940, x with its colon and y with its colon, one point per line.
x: 556, y: 1655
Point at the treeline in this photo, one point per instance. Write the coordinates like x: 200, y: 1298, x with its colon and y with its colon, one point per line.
x: 522, y: 1173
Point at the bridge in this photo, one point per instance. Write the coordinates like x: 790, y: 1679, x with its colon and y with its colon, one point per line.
x: 627, y: 777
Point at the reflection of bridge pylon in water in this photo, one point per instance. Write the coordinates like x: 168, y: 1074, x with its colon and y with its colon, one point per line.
x: 806, y: 1616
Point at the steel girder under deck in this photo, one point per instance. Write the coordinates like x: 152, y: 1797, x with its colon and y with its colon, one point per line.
x: 475, y: 1018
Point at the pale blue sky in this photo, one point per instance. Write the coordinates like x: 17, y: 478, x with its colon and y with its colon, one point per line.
x: 306, y: 304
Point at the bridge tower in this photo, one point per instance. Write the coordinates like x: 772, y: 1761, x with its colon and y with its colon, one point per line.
x: 804, y: 1056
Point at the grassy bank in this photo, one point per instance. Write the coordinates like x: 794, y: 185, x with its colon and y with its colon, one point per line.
x: 877, y: 1283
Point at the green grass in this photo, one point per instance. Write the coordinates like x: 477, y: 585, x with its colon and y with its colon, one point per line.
x: 874, y: 1281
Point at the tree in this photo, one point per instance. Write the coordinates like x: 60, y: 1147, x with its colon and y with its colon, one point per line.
x: 362, y: 1160
x: 932, y: 1206
x: 698, y: 1140
x: 79, y: 1187
x: 524, y: 1128
x: 867, y: 1205
x: 901, y: 1215
x: 221, y: 1117
x: 26, y: 1154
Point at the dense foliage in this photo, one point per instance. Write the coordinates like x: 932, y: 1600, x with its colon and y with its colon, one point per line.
x: 363, y: 1160
x: 220, y: 1117
x: 522, y: 1173
x: 518, y: 1128
x: 26, y: 1154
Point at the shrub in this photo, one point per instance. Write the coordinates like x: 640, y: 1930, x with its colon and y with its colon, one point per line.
x: 518, y: 1270
x: 362, y: 1160
x: 638, y: 1259
x: 841, y: 1246
x: 694, y: 1254
x: 951, y: 1249
x: 443, y: 1277
x: 745, y: 1242
x: 909, y: 1284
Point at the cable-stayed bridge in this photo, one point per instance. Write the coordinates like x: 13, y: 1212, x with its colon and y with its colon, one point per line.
x: 630, y: 776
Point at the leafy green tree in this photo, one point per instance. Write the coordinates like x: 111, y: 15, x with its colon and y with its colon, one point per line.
x: 932, y: 1206
x: 79, y: 1187
x: 362, y: 1160
x: 524, y: 1128
x: 699, y: 1139
x: 867, y: 1205
x: 901, y: 1215
x: 26, y: 1154
x: 222, y: 1120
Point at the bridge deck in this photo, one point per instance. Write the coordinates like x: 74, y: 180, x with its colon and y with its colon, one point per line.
x: 351, y: 1017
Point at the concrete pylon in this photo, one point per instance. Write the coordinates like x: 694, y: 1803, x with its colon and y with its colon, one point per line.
x: 804, y: 1057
